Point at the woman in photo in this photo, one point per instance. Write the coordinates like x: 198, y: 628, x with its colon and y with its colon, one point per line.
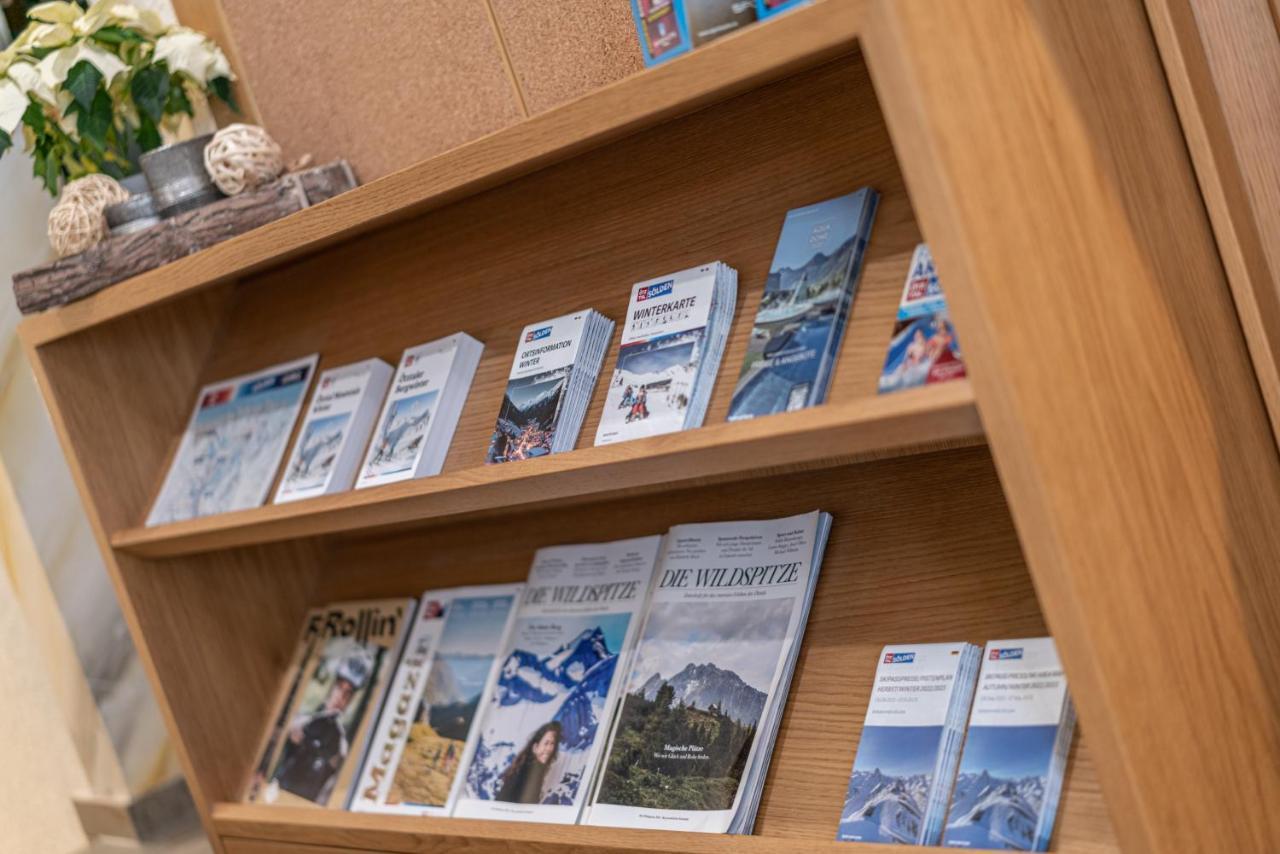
x: 522, y: 784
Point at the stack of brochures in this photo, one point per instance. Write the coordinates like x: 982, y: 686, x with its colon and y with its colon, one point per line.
x: 901, y: 780
x: 426, y: 733
x: 691, y: 743
x: 339, y: 675
x: 543, y: 724
x: 231, y: 450
x: 924, y: 348
x: 800, y: 324
x: 421, y: 411
x: 552, y: 376
x: 670, y: 352
x: 335, y: 431
x: 1015, y: 753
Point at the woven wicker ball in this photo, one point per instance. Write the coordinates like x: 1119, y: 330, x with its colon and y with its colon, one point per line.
x: 76, y: 221
x: 242, y: 157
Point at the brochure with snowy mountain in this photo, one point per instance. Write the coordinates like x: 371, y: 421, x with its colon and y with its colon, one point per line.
x: 341, y: 685
x: 552, y: 377
x: 425, y: 733
x: 1015, y: 753
x: 901, y: 780
x: 669, y: 356
x: 807, y: 297
x: 421, y: 411
x: 704, y: 695
x: 335, y: 431
x: 231, y: 450
x: 924, y: 348
x: 302, y: 653
x: 543, y: 725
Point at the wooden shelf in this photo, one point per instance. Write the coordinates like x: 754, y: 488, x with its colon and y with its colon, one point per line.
x: 917, y: 419
x: 293, y: 826
x: 728, y: 67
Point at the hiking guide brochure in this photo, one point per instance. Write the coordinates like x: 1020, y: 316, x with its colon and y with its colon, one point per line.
x: 543, y: 725
x: 704, y: 695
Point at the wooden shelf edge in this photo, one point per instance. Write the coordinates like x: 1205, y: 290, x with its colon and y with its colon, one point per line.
x: 824, y: 436
x: 364, y: 831
x: 730, y: 66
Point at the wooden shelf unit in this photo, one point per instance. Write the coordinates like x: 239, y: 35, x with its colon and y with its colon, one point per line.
x: 699, y: 160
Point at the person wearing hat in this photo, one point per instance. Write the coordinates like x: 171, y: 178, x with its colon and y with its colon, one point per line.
x: 317, y: 743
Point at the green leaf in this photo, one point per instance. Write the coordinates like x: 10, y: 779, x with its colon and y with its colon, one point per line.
x: 150, y: 88
x: 93, y: 123
x: 52, y: 172
x: 6, y: 142
x: 82, y: 82
x: 118, y: 35
x: 221, y: 87
x: 33, y: 118
x: 42, y: 52
x: 177, y: 101
x: 148, y: 136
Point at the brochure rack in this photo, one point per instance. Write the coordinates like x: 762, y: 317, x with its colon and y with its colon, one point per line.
x: 1118, y: 404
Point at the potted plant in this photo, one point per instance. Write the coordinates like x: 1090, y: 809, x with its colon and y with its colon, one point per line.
x: 89, y: 91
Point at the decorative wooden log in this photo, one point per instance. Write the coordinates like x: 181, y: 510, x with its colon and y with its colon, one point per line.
x: 121, y: 256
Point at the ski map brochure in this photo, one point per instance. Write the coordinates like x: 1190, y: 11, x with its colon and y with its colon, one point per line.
x: 421, y: 411
x: 339, y: 692
x: 555, y: 369
x: 425, y: 734
x: 335, y: 431
x: 691, y: 742
x: 1015, y: 753
x: 901, y: 780
x: 800, y: 324
x: 302, y: 653
x: 924, y: 348
x: 231, y: 450
x: 670, y: 351
x: 543, y: 725
x: 662, y: 29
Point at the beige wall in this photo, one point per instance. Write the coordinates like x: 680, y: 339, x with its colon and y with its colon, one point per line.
x: 386, y: 83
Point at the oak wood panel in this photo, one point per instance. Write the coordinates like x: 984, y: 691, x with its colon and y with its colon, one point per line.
x: 1223, y: 65
x: 921, y: 549
x: 725, y: 68
x: 1115, y: 387
x: 604, y: 220
x: 834, y: 434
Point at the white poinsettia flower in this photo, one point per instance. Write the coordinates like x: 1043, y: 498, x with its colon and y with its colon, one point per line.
x: 7, y: 56
x: 13, y: 103
x: 55, y: 67
x: 43, y: 35
x: 193, y: 54
x: 55, y: 13
x: 116, y: 13
x: 27, y: 77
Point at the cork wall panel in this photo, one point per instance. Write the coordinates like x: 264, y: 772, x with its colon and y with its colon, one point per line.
x: 562, y: 50
x: 384, y: 83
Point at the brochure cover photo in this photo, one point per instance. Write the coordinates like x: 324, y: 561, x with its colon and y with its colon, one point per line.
x: 924, y: 348
x: 234, y: 442
x: 530, y: 411
x: 807, y: 296
x: 697, y: 691
x: 399, y: 437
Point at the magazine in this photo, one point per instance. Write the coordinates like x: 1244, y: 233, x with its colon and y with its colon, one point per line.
x: 1015, y: 752
x: 924, y: 348
x: 231, y: 450
x: 662, y: 29
x: 425, y: 733
x: 901, y: 779
x: 421, y: 411
x: 690, y: 745
x: 543, y: 725
x: 795, y: 339
x: 672, y: 341
x: 552, y: 377
x: 334, y: 432
x: 339, y: 692
x: 302, y: 653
